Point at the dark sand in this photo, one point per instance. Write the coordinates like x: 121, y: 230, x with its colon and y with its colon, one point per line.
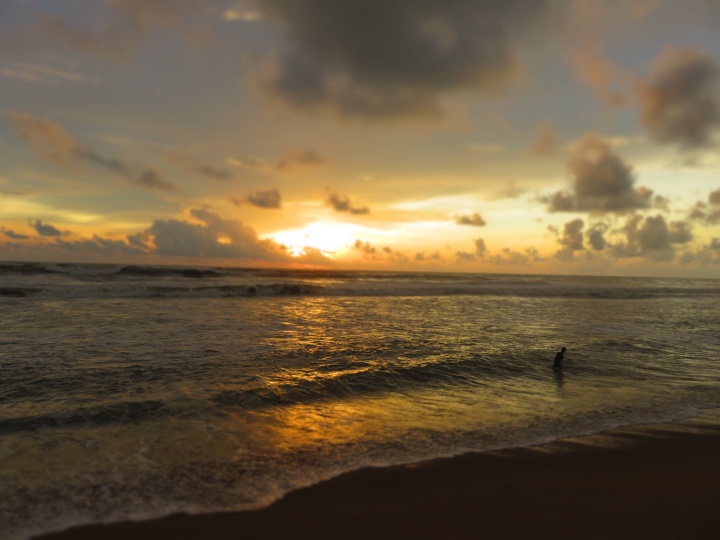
x: 652, y: 482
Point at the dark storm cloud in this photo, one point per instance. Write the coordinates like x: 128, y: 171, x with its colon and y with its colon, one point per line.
x: 397, y: 58
x: 55, y: 143
x: 342, y: 203
x: 679, y: 98
x: 474, y: 220
x: 45, y: 229
x: 601, y: 181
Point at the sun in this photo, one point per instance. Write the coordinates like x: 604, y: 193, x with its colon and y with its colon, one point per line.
x: 329, y: 238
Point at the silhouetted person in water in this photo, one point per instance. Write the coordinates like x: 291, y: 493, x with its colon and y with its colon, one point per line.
x: 559, y: 359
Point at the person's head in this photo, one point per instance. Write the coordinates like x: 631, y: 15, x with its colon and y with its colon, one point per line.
x: 563, y: 349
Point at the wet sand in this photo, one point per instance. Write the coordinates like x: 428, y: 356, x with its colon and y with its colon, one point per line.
x: 660, y: 481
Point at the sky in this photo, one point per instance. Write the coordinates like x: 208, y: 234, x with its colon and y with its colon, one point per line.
x: 523, y: 136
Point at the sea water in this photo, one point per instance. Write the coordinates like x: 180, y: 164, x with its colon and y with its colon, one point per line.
x: 136, y: 392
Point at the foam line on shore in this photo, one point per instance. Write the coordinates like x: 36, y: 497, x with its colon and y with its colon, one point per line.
x: 659, y: 480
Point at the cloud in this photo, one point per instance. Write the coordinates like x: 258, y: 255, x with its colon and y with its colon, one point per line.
x: 56, y: 144
x: 210, y: 171
x: 212, y: 237
x: 207, y: 236
x: 248, y: 162
x: 680, y: 232
x: 708, y: 254
x: 385, y: 253
x: 572, y: 237
x: 505, y: 257
x: 479, y: 253
x: 296, y: 160
x: 421, y: 256
x: 601, y: 74
x: 601, y: 181
x: 464, y: 256
x: 203, y: 169
x: 661, y: 203
x: 654, y: 234
x: 714, y: 197
x: 14, y: 235
x: 510, y: 257
x: 707, y: 213
x: 365, y: 248
x: 100, y: 246
x: 151, y: 178
x: 239, y: 15
x: 35, y: 73
x: 679, y: 98
x: 140, y: 240
x: 112, y: 165
x: 342, y: 203
x: 269, y: 198
x: 596, y: 236
x: 395, y: 256
x: 115, y: 33
x: 651, y: 238
x: 48, y: 139
x: 399, y: 58
x: 474, y: 220
x: 45, y: 229
x: 510, y: 191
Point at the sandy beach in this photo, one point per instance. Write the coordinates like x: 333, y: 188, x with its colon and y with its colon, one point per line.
x: 658, y: 481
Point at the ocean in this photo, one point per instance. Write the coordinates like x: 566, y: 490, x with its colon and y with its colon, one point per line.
x: 131, y: 392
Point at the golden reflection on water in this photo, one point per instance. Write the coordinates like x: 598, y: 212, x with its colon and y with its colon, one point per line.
x: 355, y: 419
x: 388, y: 415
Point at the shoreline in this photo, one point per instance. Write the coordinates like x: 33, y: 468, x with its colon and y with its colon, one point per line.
x: 652, y: 481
